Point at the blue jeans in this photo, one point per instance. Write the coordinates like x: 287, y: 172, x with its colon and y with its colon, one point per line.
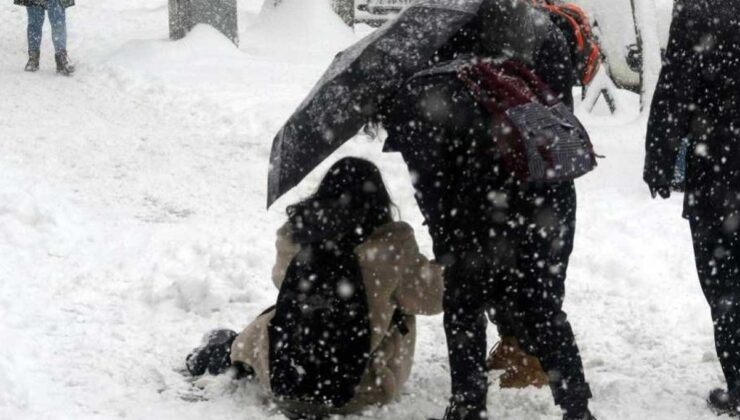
x: 58, y: 20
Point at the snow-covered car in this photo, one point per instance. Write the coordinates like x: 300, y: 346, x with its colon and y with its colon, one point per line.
x: 377, y: 12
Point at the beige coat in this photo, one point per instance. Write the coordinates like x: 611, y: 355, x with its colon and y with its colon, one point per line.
x: 396, y: 274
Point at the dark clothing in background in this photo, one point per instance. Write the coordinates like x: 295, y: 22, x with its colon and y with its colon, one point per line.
x: 43, y: 3
x: 505, y: 244
x: 698, y: 98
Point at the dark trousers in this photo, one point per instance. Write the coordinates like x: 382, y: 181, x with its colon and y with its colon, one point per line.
x: 717, y: 252
x: 519, y: 270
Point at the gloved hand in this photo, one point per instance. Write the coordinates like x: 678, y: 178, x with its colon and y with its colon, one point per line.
x: 663, y: 190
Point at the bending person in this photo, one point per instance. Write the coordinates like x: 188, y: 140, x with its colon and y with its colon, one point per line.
x: 505, y: 243
x: 520, y: 368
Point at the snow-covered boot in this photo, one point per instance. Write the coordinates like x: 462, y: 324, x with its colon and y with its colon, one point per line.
x: 63, y: 66
x: 34, y: 59
x: 723, y: 402
x: 214, y: 354
x: 461, y: 411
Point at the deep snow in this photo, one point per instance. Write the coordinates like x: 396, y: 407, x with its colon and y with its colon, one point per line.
x: 132, y: 220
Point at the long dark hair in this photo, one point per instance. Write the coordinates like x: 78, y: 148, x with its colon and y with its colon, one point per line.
x: 350, y: 202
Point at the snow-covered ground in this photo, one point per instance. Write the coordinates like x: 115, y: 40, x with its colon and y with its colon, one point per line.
x: 132, y: 220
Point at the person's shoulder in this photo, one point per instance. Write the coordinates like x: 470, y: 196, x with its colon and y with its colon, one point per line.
x: 387, y: 242
x: 284, y: 235
x: 392, y: 232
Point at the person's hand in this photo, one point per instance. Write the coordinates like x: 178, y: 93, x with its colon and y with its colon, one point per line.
x: 664, y: 191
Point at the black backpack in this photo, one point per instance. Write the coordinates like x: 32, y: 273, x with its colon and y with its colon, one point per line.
x: 320, y: 334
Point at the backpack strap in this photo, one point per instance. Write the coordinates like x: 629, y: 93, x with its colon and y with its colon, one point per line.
x: 540, y: 88
x: 490, y: 86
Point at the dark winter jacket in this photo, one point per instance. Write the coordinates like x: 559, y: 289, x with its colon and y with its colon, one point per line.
x: 550, y: 59
x: 442, y: 132
x: 42, y: 3
x: 698, y: 98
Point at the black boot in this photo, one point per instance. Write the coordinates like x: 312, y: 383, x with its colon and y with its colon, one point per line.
x: 214, y: 355
x: 461, y: 411
x: 576, y: 410
x: 34, y: 58
x: 63, y: 66
x: 581, y: 416
x: 723, y: 402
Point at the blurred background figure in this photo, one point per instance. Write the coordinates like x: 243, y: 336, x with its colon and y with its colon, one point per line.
x: 37, y: 10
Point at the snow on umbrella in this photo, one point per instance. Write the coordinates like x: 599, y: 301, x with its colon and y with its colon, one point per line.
x: 357, y: 81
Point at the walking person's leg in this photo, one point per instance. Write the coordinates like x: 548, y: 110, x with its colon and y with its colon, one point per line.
x: 717, y: 253
x: 547, y: 241
x: 58, y: 20
x: 465, y: 327
x: 35, y: 31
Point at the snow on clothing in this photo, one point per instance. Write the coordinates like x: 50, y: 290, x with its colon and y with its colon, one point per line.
x: 396, y: 275
x: 57, y: 19
x: 698, y: 97
x: 504, y: 243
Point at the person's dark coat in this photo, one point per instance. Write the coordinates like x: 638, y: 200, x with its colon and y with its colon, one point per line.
x: 698, y: 98
x: 499, y: 237
x: 42, y: 3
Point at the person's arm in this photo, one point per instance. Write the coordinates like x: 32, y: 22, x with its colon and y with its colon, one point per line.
x: 670, y: 114
x: 421, y: 287
x: 553, y: 64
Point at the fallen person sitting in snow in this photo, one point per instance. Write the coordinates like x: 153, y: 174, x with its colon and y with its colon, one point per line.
x: 342, y: 334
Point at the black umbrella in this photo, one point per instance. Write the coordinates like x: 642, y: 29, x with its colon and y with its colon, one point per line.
x: 357, y: 81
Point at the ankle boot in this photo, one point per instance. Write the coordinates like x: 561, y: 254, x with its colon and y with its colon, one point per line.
x: 34, y: 58
x: 63, y: 66
x: 521, y: 369
x: 503, y: 353
x: 214, y: 354
x: 577, y: 410
x: 723, y: 402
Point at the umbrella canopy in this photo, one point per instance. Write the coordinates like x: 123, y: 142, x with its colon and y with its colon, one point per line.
x: 357, y: 81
